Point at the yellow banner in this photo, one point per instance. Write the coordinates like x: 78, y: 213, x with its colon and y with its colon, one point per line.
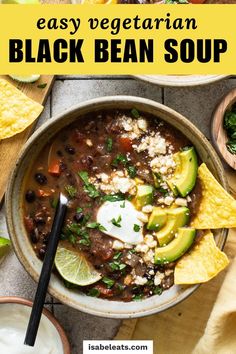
x: 117, y: 39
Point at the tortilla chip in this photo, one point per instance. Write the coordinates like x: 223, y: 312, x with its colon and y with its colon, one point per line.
x: 202, y: 263
x: 17, y: 111
x: 217, y: 208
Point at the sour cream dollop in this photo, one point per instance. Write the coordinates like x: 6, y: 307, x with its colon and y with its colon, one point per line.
x: 120, y: 220
x: 13, y: 323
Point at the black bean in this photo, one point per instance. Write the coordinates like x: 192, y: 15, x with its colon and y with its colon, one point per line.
x: 87, y: 160
x: 59, y: 153
x: 78, y: 217
x: 63, y: 166
x: 46, y: 237
x: 30, y: 196
x: 34, y: 237
x: 69, y: 149
x: 42, y: 251
x: 39, y: 220
x: 40, y: 178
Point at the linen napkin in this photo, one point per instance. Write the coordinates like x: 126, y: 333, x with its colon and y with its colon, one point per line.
x: 220, y: 332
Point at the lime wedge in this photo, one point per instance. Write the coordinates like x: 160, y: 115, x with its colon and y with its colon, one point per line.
x: 73, y: 267
x: 4, y: 247
x: 26, y: 79
x: 20, y: 2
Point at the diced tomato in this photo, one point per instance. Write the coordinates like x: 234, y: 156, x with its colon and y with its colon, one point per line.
x: 125, y: 144
x: 41, y: 193
x: 29, y: 223
x: 54, y: 168
x: 107, y: 254
x: 104, y: 291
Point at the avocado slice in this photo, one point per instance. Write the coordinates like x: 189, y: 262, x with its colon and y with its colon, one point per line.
x: 176, y: 218
x: 176, y: 248
x: 157, y: 219
x: 144, y: 195
x: 186, y: 172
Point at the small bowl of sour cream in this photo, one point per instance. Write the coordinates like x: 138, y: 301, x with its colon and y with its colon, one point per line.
x: 14, y: 317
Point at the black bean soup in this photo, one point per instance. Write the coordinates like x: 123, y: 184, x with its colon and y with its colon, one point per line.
x: 102, y: 157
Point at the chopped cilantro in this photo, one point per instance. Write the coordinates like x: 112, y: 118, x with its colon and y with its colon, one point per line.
x: 42, y: 86
x: 96, y: 225
x: 122, y: 266
x: 109, y: 282
x: 158, y: 290
x: 54, y: 203
x: 136, y: 228
x: 116, y: 265
x: 94, y: 292
x: 116, y: 222
x: 163, y: 191
x: 72, y: 191
x: 117, y: 255
x: 84, y: 242
x: 69, y: 285
x: 135, y: 113
x: 109, y: 144
x: 132, y: 171
x: 79, y: 210
x: 119, y: 159
x: 120, y: 287
x: 122, y: 205
x: 89, y: 188
x: 113, y: 197
x: 137, y: 297
x: 72, y: 239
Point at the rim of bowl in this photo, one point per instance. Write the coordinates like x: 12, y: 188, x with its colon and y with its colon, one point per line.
x: 95, y: 105
x: 25, y: 302
x: 181, y: 80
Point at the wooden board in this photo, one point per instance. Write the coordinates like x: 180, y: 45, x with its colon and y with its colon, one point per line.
x: 9, y: 148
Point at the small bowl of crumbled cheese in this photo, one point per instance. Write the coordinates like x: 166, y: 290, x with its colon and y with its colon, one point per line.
x: 14, y: 316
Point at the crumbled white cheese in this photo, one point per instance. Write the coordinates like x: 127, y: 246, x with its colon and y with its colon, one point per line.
x: 148, y: 257
x: 142, y: 217
x: 140, y: 280
x: 151, y: 272
x: 150, y: 242
x: 115, y: 183
x: 155, y: 145
x: 164, y: 165
x: 133, y: 128
x: 166, y: 200
x: 128, y: 246
x: 117, y: 245
x: 89, y: 142
x: 141, y: 247
x: 103, y: 177
x: 158, y: 278
x: 123, y: 184
x: 147, y: 209
x: 189, y: 199
x: 181, y: 201
x: 142, y: 124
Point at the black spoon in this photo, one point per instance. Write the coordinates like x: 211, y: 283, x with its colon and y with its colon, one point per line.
x: 45, y: 275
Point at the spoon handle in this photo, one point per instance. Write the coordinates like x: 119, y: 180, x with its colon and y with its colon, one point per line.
x: 44, y: 278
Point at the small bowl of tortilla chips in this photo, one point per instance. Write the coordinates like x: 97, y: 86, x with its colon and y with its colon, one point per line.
x: 202, y: 260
